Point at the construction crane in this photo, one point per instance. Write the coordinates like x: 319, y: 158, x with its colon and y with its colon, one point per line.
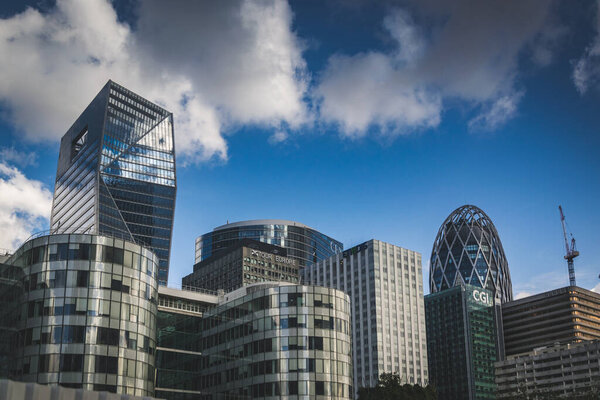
x: 571, y: 251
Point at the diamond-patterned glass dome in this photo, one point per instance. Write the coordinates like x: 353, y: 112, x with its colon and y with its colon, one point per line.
x: 467, y: 249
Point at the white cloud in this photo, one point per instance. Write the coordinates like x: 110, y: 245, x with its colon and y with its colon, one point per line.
x: 409, y: 40
x: 522, y: 295
x: 586, y: 71
x: 221, y: 64
x: 21, y: 158
x: 497, y: 113
x: 24, y: 206
x: 470, y: 54
x: 367, y: 90
x: 278, y: 137
x: 596, y: 288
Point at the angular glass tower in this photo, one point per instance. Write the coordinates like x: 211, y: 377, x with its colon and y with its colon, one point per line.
x: 116, y: 173
x: 468, y: 250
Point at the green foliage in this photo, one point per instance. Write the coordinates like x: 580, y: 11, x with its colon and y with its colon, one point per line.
x: 391, y: 388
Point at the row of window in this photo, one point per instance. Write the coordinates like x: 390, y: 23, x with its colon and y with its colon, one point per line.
x: 291, y: 365
x: 73, y: 334
x: 137, y: 186
x: 93, y: 307
x: 86, y: 252
x: 52, y: 363
x: 317, y: 300
x: 275, y: 322
x: 86, y: 279
x: 284, y: 343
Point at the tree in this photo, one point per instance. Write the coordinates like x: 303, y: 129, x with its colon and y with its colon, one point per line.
x: 390, y: 387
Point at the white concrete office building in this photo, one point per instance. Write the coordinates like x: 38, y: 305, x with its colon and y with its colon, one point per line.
x: 385, y: 284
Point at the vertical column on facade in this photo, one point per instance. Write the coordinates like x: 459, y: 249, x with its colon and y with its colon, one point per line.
x: 384, y: 317
x: 405, y: 297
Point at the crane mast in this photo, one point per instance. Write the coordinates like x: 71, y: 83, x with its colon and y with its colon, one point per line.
x: 571, y: 251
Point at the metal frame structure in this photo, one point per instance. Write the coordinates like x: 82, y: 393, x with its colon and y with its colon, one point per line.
x: 468, y: 250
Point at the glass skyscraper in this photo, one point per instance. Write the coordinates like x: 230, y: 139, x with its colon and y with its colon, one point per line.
x: 461, y: 342
x: 302, y: 242
x: 116, y: 173
x: 468, y: 250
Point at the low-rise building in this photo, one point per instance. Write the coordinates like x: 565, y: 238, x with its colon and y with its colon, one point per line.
x: 562, y: 370
x: 568, y: 314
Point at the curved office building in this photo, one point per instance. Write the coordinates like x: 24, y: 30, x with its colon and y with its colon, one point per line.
x: 302, y: 242
x: 88, y: 313
x: 272, y: 340
x: 467, y: 249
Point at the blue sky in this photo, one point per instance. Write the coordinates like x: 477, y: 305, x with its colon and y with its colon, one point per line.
x: 361, y: 120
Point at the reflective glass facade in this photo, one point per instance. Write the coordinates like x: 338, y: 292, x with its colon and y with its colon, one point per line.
x: 272, y: 341
x: 385, y: 285
x: 11, y: 291
x: 179, y: 340
x: 116, y: 173
x: 302, y: 242
x: 88, y: 313
x: 468, y: 250
x: 461, y: 342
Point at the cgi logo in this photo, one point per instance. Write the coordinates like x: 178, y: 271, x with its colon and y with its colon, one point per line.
x: 482, y: 297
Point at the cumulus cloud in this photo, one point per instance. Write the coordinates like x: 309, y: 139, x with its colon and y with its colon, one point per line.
x: 221, y: 64
x: 586, y: 71
x: 24, y: 206
x: 365, y: 90
x: 21, y: 158
x: 469, y: 53
x: 596, y: 288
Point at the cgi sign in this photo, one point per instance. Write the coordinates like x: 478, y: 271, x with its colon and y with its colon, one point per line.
x: 482, y: 297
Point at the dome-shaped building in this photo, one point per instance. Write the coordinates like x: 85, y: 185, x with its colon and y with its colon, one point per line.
x: 467, y: 249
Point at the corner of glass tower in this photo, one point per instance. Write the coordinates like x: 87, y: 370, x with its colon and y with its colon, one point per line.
x: 116, y: 173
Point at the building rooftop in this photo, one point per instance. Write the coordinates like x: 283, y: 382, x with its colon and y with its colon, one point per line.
x: 261, y: 222
x: 549, y: 293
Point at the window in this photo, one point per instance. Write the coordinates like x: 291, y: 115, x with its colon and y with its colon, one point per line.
x: 107, y: 365
x: 108, y: 336
x: 71, y: 363
x: 73, y: 334
x: 82, y: 278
